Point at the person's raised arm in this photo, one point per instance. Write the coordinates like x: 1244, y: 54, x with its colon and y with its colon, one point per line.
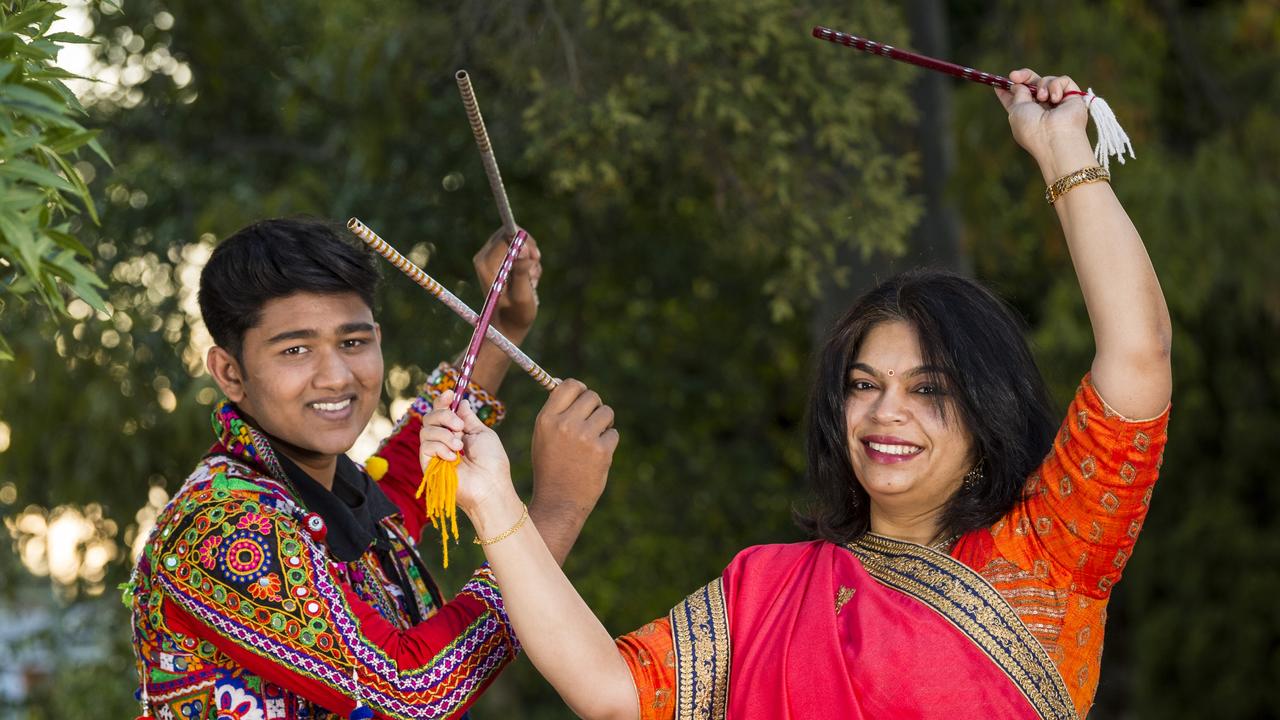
x: 573, y: 444
x: 1127, y: 310
x: 562, y: 637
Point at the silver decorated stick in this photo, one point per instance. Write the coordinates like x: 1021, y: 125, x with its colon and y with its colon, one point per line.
x: 451, y: 301
x: 486, y: 153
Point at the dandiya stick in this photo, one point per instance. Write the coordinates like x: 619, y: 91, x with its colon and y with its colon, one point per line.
x: 440, y: 480
x: 486, y: 152
x: 451, y: 301
x: 1112, y: 139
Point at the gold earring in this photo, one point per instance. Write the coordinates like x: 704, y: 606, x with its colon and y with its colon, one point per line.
x: 974, y: 476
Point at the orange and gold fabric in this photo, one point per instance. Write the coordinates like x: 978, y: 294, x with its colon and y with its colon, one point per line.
x: 1057, y: 555
x: 1054, y: 558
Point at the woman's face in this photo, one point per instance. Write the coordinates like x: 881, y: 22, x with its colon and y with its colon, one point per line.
x: 905, y: 455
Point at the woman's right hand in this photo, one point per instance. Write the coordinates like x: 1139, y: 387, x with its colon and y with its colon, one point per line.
x: 485, y: 491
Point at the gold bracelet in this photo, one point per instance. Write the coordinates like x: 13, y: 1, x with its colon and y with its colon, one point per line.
x: 1079, y: 177
x: 511, y: 531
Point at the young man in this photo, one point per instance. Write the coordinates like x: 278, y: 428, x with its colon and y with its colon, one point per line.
x: 282, y: 581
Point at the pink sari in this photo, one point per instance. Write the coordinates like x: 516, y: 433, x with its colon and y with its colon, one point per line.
x: 877, y: 629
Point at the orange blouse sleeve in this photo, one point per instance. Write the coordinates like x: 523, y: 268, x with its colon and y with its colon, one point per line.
x: 650, y: 653
x: 1084, y: 507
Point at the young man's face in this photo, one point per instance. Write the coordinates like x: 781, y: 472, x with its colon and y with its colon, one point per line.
x: 311, y: 372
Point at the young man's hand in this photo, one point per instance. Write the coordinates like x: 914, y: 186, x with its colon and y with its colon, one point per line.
x: 518, y: 304
x: 573, y: 444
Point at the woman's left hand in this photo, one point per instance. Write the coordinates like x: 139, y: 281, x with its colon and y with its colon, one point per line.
x: 1048, y: 119
x: 484, y: 475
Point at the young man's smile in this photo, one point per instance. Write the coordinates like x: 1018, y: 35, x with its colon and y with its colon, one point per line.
x: 310, y: 373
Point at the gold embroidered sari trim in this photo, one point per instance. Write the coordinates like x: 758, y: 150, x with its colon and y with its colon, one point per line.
x: 700, y: 630
x: 973, y: 606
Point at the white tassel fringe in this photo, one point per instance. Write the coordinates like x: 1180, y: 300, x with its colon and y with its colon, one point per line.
x: 1112, y: 139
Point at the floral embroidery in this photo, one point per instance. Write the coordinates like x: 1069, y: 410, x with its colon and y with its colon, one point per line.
x: 267, y: 587
x: 208, y: 551
x: 255, y: 522
x: 234, y: 703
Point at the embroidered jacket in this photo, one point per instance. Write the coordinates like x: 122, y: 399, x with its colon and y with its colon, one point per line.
x: 246, y: 605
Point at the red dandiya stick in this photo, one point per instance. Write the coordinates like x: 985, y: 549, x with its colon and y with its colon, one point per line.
x: 906, y: 56
x: 1112, y: 139
x: 440, y: 479
x: 486, y: 315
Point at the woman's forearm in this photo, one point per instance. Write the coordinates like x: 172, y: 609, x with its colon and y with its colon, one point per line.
x: 563, y: 638
x: 1126, y: 307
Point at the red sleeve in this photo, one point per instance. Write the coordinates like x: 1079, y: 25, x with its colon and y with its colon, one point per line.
x: 403, y: 471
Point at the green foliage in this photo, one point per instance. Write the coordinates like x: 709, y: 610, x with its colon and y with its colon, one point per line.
x: 688, y: 169
x: 40, y: 136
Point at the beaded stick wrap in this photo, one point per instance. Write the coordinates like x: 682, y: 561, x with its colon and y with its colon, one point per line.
x: 1112, y: 139
x: 451, y: 301
x: 486, y: 315
x: 486, y: 152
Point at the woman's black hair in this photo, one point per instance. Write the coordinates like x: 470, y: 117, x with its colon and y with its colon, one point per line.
x: 272, y: 259
x: 993, y: 386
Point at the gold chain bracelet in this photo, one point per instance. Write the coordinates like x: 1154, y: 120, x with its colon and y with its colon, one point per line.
x: 1079, y: 177
x: 524, y: 515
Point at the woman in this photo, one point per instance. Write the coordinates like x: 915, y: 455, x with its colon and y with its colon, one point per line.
x: 958, y: 571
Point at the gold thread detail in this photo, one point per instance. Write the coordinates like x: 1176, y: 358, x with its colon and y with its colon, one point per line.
x: 966, y: 600
x: 700, y: 631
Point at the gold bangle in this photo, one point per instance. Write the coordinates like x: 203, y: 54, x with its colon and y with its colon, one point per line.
x: 510, y: 531
x: 1079, y: 177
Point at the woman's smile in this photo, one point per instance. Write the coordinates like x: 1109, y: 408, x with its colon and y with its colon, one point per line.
x: 887, y: 450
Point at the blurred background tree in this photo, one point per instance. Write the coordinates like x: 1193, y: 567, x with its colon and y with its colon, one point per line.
x: 709, y: 185
x: 40, y: 135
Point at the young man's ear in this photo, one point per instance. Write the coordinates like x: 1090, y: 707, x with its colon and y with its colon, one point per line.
x: 226, y: 371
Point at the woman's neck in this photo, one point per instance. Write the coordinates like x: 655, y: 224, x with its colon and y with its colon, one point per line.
x: 914, y: 526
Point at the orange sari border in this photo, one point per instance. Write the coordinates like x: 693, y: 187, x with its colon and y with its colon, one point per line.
x: 967, y: 601
x: 700, y: 631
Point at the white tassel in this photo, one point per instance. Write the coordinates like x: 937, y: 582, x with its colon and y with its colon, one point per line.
x: 1112, y: 139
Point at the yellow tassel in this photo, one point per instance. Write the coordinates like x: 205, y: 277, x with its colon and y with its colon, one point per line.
x: 440, y: 485
x: 376, y: 467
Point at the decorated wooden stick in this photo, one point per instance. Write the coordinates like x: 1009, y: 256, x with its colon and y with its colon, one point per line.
x: 1112, y: 139
x: 440, y: 480
x: 486, y: 152
x: 451, y: 301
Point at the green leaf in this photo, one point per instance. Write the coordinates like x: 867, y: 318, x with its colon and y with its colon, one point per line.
x: 81, y: 189
x: 26, y: 170
x: 19, y: 235
x: 66, y: 37
x: 17, y: 199
x: 68, y: 241
x: 72, y: 140
x: 18, y: 145
x: 39, y: 13
x: 55, y: 73
x: 96, y: 147
x: 34, y: 94
x: 36, y: 51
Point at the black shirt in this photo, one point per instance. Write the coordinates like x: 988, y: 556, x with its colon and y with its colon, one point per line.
x: 352, y: 512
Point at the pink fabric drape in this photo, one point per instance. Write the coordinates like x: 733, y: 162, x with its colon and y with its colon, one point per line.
x: 885, y: 654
